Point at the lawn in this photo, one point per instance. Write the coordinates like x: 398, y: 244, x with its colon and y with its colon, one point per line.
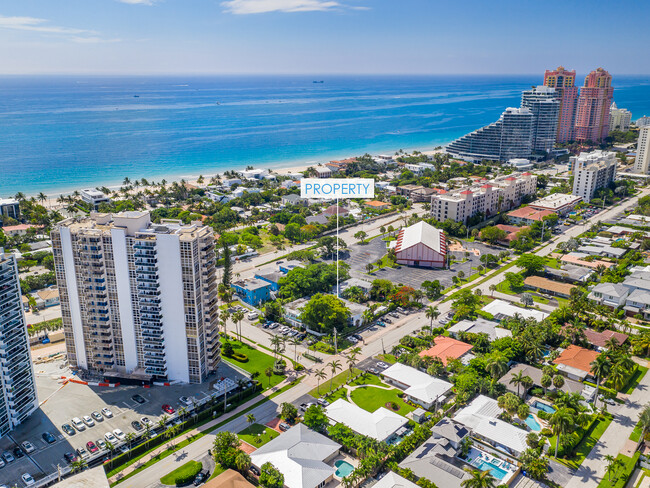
x: 586, y: 444
x: 338, y: 380
x: 552, y: 263
x: 636, y: 433
x: 387, y: 358
x: 257, y: 435
x: 635, y: 380
x: 620, y: 477
x: 367, y: 379
x: 187, y: 470
x: 257, y: 362
x: 218, y: 469
x: 371, y: 398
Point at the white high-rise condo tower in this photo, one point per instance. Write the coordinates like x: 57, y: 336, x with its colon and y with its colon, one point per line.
x: 17, y: 389
x: 642, y: 160
x: 543, y: 102
x: 592, y: 171
x: 138, y: 299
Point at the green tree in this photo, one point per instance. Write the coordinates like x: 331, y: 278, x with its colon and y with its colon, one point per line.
x: 360, y: 236
x: 242, y: 462
x: 320, y: 375
x: 269, y: 373
x: 546, y: 381
x: 558, y: 381
x: 315, y: 418
x: 496, y: 365
x: 250, y: 418
x: 600, y: 368
x: 292, y: 232
x: 288, y: 412
x: 325, y: 312
x: 226, y: 276
x: 271, y: 477
x: 562, y: 423
x: 335, y: 366
x: 432, y: 313
x: 493, y: 234
x: 531, y: 263
x: 479, y: 479
x: 225, y: 448
x: 515, y: 280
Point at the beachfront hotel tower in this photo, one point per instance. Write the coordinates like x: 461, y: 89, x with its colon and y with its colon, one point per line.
x: 563, y: 81
x: 17, y: 388
x: 592, y: 115
x: 642, y: 160
x: 545, y: 106
x: 509, y: 137
x: 138, y: 299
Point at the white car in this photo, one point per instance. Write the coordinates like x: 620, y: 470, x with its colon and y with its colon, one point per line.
x: 78, y: 424
x: 27, y: 479
x: 88, y: 420
x: 119, y: 434
x: 185, y: 401
x: 28, y: 447
x: 146, y: 421
x: 107, y: 412
x: 101, y: 444
x: 110, y: 437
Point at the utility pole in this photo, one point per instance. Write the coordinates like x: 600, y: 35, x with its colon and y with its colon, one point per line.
x: 336, y: 346
x: 382, y: 345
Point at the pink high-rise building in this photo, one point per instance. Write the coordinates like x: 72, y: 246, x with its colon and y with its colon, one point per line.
x: 564, y: 83
x: 592, y: 116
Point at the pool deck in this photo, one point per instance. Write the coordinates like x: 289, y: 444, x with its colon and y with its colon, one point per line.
x: 342, y: 457
x: 490, y: 458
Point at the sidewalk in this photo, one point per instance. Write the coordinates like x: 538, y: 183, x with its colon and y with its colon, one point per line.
x: 203, y: 428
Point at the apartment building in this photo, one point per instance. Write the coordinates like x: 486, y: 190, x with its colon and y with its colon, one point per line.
x: 592, y: 115
x: 619, y: 118
x: 543, y: 102
x: 642, y: 161
x: 17, y: 389
x: 563, y: 81
x: 138, y: 299
x: 488, y: 198
x: 592, y: 171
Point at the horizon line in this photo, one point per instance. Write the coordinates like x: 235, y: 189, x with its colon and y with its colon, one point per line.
x: 133, y: 74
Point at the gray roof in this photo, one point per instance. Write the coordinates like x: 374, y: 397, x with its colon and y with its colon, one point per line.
x: 317, y: 219
x: 611, y: 289
x: 251, y: 284
x: 291, y: 198
x: 448, y: 429
x: 640, y: 296
x: 435, y: 461
x: 272, y: 276
x: 570, y: 271
x: 570, y: 386
x: 481, y: 326
x: 299, y: 453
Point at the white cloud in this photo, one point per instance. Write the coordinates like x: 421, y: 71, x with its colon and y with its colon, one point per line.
x: 263, y: 6
x: 43, y: 26
x: 138, y: 2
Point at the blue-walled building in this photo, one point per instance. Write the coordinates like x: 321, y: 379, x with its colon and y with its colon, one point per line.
x: 271, y: 277
x: 253, y: 291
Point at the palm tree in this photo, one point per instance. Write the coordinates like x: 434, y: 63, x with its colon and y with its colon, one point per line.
x: 320, y: 375
x: 479, y: 479
x: 250, y: 418
x: 78, y: 464
x: 517, y: 379
x: 546, y: 381
x: 432, y: 313
x: 351, y: 358
x: 492, y: 289
x: 558, y: 381
x: 600, y: 368
x: 129, y: 439
x: 497, y: 365
x: 269, y: 373
x: 644, y: 420
x: 562, y: 423
x: 334, y: 367
x: 295, y: 342
x: 163, y: 421
x: 617, y: 376
x: 41, y: 197
x: 237, y: 317
x: 276, y: 342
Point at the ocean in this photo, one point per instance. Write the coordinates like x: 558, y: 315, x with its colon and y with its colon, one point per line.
x: 63, y: 133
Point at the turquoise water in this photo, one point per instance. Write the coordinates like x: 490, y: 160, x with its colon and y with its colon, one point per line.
x: 343, y: 468
x: 496, y: 471
x: 544, y: 407
x: 65, y: 133
x: 533, y: 424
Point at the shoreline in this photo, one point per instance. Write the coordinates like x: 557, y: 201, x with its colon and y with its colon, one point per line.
x: 279, y: 167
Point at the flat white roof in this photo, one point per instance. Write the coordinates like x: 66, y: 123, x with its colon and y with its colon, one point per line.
x: 380, y: 424
x: 501, y: 307
x: 556, y: 200
x: 420, y: 385
x: 421, y: 233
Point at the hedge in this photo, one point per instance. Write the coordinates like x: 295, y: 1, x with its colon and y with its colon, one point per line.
x: 242, y: 358
x: 182, y: 475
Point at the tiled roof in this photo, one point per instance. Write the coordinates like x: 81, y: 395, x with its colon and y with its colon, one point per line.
x: 599, y: 339
x: 577, y: 357
x: 550, y: 285
x: 447, y: 347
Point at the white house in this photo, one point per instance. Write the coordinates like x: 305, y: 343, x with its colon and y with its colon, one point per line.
x: 419, y: 387
x: 610, y: 294
x: 480, y: 326
x: 323, y: 172
x: 393, y: 480
x: 421, y: 244
x: 500, y: 309
x: 94, y: 197
x: 381, y: 425
x: 303, y: 456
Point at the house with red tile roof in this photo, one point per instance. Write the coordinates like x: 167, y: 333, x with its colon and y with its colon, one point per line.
x: 446, y: 348
x: 575, y: 362
x: 527, y: 215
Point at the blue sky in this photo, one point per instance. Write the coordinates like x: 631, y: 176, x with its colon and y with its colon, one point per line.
x: 322, y: 36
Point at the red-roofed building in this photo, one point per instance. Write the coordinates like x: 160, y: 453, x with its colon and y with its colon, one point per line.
x: 446, y: 348
x: 575, y: 362
x: 511, y: 231
x: 527, y: 215
x: 378, y: 204
x: 18, y: 230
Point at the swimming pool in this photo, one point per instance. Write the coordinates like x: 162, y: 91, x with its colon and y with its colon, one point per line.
x: 543, y: 407
x: 496, y: 471
x: 531, y: 422
x: 343, y: 468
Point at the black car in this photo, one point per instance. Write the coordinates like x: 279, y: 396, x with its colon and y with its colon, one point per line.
x: 67, y: 428
x: 49, y: 438
x: 254, y: 470
x: 18, y: 452
x: 137, y: 425
x: 70, y: 457
x: 138, y: 399
x: 200, y: 478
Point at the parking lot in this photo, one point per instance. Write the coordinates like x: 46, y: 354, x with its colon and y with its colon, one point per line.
x: 61, y: 402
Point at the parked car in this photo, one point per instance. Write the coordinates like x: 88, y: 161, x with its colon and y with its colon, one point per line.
x: 322, y: 402
x: 200, y: 478
x: 2, y: 465
x: 146, y: 421
x: 284, y: 427
x: 252, y: 315
x: 185, y: 401
x: 78, y: 424
x: 82, y: 453
x: 70, y: 457
x: 18, y: 452
x: 168, y: 409
x: 123, y: 449
x: 8, y: 457
x: 92, y: 447
x: 119, y: 434
x: 138, y: 399
x: 49, y: 438
x: 353, y: 339
x: 88, y: 421
x: 97, y: 416
x: 137, y: 426
x: 67, y: 428
x: 101, y: 444
x: 27, y: 479
x: 106, y: 412
x: 382, y: 365
x: 28, y: 447
x: 254, y: 470
x: 110, y: 438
